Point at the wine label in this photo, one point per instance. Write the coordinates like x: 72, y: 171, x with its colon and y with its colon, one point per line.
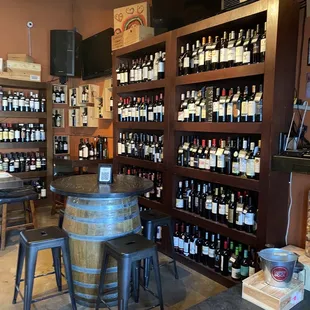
x: 251, y: 271
x: 43, y: 193
x: 244, y: 271
x: 192, y: 247
x: 242, y: 164
x: 180, y: 116
x: 179, y: 203
x: 250, y: 167
x: 251, y: 108
x: 239, y: 54
x: 212, y: 160
x: 235, y: 273
x: 246, y: 57
x: 222, y: 209
x: 232, y: 54
x: 263, y: 45
x: 215, y: 106
x: 221, y: 109
x: 205, y: 250
x: 150, y: 74
x: 240, y: 218
x: 186, y: 113
x: 249, y: 219
x: 176, y: 241
x: 181, y: 243
x: 201, y: 58
x: 214, y: 207
x: 224, y: 54
x: 202, y: 163
x: 215, y: 56
x: 207, y: 167
x: 197, y: 111
x: 118, y: 75
x: 186, y: 249
x: 161, y: 67
x: 158, y: 233
x: 191, y: 161
x: 231, y: 215
x: 211, y: 253
x: 257, y: 165
x: 222, y: 263
x: 244, y: 108
x: 208, y: 55
x: 221, y: 161
x: 151, y: 116
x: 186, y: 62
x: 203, y: 112
x: 229, y: 108
x: 145, y: 73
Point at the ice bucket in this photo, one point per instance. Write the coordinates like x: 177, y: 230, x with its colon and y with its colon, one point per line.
x: 278, y: 266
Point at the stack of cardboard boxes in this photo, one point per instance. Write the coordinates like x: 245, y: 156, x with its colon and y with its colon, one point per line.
x: 20, y: 67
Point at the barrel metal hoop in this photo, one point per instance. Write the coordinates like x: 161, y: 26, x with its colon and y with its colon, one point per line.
x: 73, y: 203
x: 89, y: 285
x: 101, y: 238
x: 93, y: 270
x: 107, y: 297
x: 105, y: 220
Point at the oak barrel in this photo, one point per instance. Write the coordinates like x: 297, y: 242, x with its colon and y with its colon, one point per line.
x: 90, y: 222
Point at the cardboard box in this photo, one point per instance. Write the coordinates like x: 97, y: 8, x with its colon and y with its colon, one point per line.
x: 130, y: 16
x: 20, y: 57
x: 258, y: 292
x: 131, y: 36
x: 304, y: 276
x: 13, y: 65
x: 1, y: 65
x: 22, y: 76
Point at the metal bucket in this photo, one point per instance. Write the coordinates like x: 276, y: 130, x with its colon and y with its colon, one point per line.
x: 278, y: 266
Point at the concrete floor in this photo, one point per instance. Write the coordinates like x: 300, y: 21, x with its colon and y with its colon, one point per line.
x: 191, y: 289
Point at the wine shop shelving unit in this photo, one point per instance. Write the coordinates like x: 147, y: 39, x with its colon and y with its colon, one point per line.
x: 30, y: 117
x: 277, y: 74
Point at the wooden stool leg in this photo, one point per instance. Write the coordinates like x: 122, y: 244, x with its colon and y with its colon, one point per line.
x: 3, y: 225
x: 53, y: 211
x: 33, y: 213
x: 26, y: 210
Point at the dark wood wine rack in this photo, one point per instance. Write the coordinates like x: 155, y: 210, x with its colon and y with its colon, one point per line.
x: 278, y: 74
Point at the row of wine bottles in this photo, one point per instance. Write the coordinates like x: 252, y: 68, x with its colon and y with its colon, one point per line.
x: 155, y: 177
x: 61, y: 145
x: 39, y: 187
x: 215, y: 251
x: 141, y: 109
x: 149, y: 69
x: 223, y: 106
x: 234, y: 208
x: 225, y: 52
x: 238, y: 157
x: 58, y: 94
x: 22, y: 132
x: 22, y: 162
x: 21, y: 102
x: 142, y: 146
x: 98, y: 149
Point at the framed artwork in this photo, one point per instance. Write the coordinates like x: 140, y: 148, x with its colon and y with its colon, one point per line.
x: 105, y: 174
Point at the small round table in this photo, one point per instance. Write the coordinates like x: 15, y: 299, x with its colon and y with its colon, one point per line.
x: 94, y: 214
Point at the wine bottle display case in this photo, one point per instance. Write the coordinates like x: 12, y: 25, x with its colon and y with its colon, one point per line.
x: 276, y: 74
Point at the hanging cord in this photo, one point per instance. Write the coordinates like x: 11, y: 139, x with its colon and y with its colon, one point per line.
x: 289, y: 209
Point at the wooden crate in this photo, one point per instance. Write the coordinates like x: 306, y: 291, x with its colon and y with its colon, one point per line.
x: 20, y: 57
x: 78, y: 118
x: 258, y: 292
x: 14, y: 66
x: 93, y: 93
x: 77, y: 94
x: 30, y: 76
x: 131, y: 36
x: 130, y: 16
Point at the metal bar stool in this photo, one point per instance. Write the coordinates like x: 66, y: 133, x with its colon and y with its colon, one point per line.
x: 25, y: 195
x: 31, y: 242
x: 128, y: 251
x: 150, y: 219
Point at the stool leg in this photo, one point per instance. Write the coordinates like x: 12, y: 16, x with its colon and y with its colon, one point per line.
x: 104, y: 266
x: 56, y: 260
x: 176, y: 274
x: 123, y: 275
x: 26, y: 211
x: 135, y: 270
x: 20, y: 263
x: 33, y: 213
x: 31, y: 259
x: 60, y: 219
x: 67, y: 264
x: 3, y: 225
x: 150, y: 235
x: 157, y: 278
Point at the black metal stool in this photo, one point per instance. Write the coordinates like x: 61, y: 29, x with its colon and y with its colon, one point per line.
x: 31, y: 242
x: 150, y: 219
x: 128, y: 252
x: 61, y: 218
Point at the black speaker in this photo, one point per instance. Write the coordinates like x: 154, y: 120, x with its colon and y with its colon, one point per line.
x: 65, y: 53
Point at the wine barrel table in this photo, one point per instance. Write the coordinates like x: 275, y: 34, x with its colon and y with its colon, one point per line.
x: 96, y: 213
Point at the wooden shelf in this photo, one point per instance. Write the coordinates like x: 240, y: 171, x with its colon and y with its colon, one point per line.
x: 206, y: 271
x: 223, y: 179
x: 140, y: 125
x: 22, y: 84
x: 140, y: 86
x: 244, y: 128
x: 151, y: 204
x: 214, y: 227
x: 23, y: 114
x: 222, y: 74
x: 31, y: 174
x: 157, y: 40
x: 22, y: 145
x: 291, y: 164
x: 139, y: 163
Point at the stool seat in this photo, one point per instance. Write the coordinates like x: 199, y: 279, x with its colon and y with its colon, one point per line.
x: 35, y: 236
x: 128, y: 245
x: 152, y: 215
x: 18, y: 195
